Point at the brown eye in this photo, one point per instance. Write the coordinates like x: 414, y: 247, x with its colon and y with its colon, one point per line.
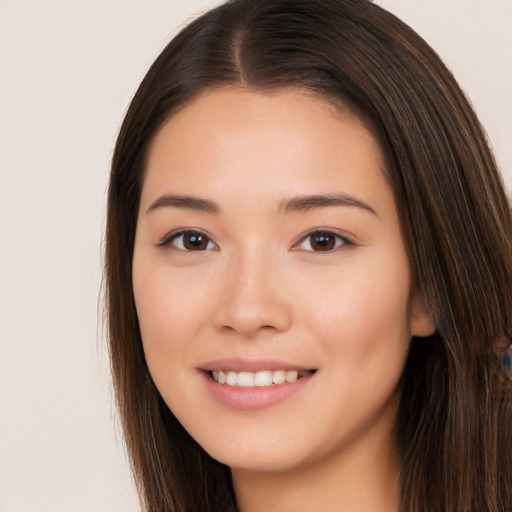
x: 195, y: 241
x: 189, y: 241
x: 322, y: 241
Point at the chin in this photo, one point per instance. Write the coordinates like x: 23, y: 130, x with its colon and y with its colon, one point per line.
x: 258, y: 457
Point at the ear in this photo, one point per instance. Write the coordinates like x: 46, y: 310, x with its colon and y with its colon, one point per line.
x: 422, y: 323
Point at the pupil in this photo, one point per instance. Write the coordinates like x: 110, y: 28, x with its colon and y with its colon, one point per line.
x: 322, y: 242
x: 195, y: 241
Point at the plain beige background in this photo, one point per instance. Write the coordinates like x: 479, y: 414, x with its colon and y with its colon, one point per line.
x: 68, y: 69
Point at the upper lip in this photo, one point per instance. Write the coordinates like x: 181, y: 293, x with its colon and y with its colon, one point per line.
x: 251, y: 365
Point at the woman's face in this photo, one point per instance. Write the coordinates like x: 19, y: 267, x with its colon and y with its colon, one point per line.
x: 268, y: 249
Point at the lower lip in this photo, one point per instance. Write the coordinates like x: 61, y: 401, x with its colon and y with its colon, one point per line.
x: 253, y: 399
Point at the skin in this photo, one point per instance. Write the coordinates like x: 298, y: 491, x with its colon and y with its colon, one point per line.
x: 260, y: 290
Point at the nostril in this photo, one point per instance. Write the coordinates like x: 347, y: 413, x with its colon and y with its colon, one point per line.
x: 251, y: 319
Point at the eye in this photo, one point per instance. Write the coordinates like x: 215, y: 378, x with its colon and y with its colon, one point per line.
x: 322, y: 241
x: 189, y: 240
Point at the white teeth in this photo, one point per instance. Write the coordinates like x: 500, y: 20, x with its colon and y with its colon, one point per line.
x: 232, y: 379
x: 246, y: 379
x: 279, y: 377
x: 262, y: 378
x: 291, y: 376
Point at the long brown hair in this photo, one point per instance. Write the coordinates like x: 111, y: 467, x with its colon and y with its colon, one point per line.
x: 455, y: 418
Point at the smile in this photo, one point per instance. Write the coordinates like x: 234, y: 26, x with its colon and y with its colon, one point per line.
x: 263, y: 378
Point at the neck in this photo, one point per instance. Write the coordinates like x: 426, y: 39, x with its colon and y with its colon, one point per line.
x: 360, y: 478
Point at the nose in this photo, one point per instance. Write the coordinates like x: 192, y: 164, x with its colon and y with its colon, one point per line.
x: 252, y: 300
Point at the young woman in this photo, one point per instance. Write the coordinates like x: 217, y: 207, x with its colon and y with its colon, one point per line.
x: 309, y: 271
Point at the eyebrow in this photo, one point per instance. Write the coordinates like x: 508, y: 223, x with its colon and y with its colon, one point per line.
x: 295, y: 204
x: 305, y: 203
x: 186, y: 202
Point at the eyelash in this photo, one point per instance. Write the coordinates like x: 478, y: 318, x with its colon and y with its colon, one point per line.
x: 208, y: 243
x: 171, y: 239
x: 339, y: 241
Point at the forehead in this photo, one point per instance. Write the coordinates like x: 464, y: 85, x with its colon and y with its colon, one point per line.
x: 282, y: 143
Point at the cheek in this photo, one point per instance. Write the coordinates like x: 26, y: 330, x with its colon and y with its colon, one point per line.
x: 362, y: 318
x: 170, y: 310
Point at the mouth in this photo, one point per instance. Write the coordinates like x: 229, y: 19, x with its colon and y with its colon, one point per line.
x: 262, y: 378
x: 253, y: 385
